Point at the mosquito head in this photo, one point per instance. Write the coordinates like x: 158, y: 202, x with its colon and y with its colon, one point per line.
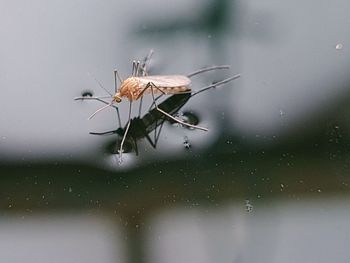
x: 117, y: 98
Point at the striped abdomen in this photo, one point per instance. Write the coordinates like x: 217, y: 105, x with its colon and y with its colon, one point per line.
x: 169, y: 84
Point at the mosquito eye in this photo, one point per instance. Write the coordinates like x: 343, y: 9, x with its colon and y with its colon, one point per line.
x: 117, y: 99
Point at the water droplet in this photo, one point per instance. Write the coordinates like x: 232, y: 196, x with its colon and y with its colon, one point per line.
x: 187, y: 143
x: 339, y: 46
x: 188, y: 117
x: 248, y: 206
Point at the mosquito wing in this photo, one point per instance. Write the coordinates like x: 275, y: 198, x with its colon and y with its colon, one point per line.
x: 170, y: 84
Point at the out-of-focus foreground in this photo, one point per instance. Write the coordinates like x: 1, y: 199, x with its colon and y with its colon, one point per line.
x: 268, y: 182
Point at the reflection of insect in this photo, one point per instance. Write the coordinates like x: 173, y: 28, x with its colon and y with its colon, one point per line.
x: 134, y: 87
x: 142, y: 127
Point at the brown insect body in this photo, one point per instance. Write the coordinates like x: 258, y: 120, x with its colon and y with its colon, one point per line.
x: 132, y: 87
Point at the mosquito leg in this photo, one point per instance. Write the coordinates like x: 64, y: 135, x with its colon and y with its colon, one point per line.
x: 140, y: 106
x: 149, y: 85
x: 100, y: 109
x: 156, y: 127
x: 181, y: 122
x: 145, y: 62
x: 103, y: 101
x: 116, y: 75
x: 156, y: 99
x: 216, y: 84
x: 207, y: 69
x: 125, y: 133
x: 135, y: 147
x: 152, y: 104
x: 120, y: 151
x: 93, y: 98
x: 103, y: 133
x: 155, y: 131
x: 158, y: 135
x: 150, y: 141
x: 137, y: 68
x: 118, y: 116
x: 133, y: 68
x: 168, y: 115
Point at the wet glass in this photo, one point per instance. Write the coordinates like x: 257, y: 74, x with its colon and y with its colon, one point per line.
x: 267, y: 182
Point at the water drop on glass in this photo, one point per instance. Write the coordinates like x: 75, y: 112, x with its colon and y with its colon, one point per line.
x: 339, y: 46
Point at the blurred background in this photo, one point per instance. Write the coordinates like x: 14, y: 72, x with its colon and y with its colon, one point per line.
x: 268, y: 182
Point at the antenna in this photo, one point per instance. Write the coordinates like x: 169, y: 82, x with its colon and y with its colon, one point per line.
x: 99, y: 83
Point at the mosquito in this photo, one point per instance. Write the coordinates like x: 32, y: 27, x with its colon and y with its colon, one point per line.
x: 142, y: 127
x: 140, y: 83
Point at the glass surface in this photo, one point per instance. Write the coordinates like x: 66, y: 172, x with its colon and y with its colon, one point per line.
x: 267, y: 182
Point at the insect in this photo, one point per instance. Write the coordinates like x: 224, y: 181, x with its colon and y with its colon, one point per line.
x: 142, y: 127
x: 140, y: 83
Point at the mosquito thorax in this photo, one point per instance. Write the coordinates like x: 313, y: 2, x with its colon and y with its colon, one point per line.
x: 130, y: 88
